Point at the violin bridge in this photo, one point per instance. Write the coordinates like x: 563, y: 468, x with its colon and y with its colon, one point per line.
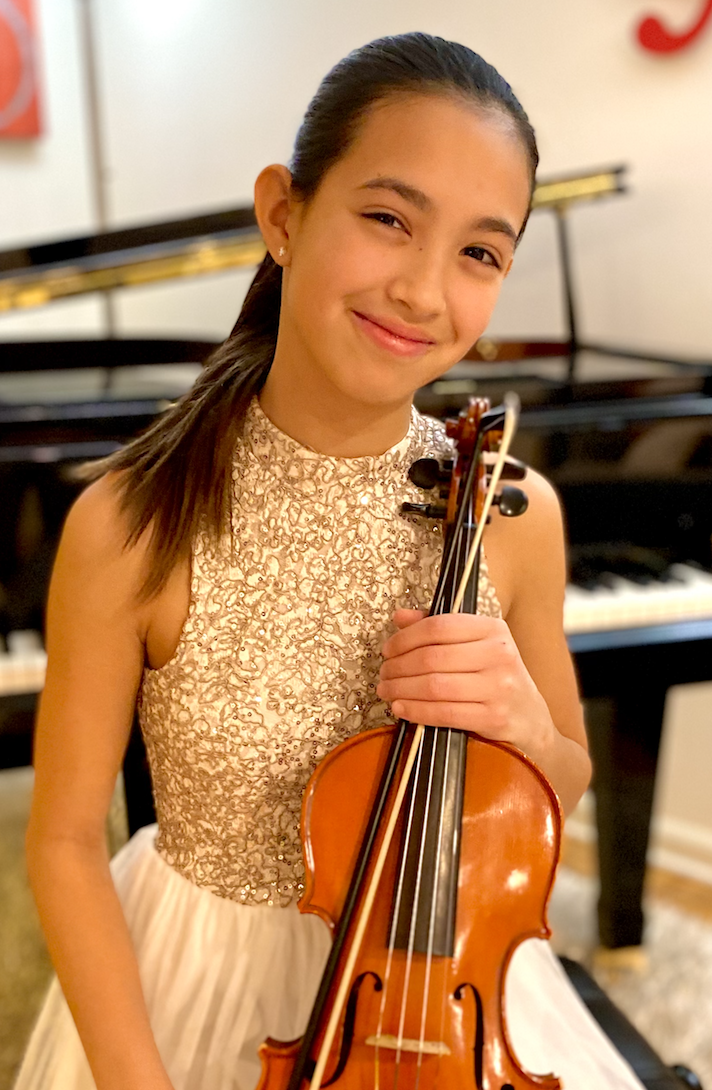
x: 408, y: 1044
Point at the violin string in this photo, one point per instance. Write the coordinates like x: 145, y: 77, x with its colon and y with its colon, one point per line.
x: 511, y: 403
x: 431, y: 921
x: 398, y: 899
x: 455, y: 540
x: 438, y: 607
x: 414, y: 915
x: 461, y: 547
x: 443, y: 607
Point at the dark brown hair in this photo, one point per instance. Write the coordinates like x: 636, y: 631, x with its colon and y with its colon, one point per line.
x: 176, y: 477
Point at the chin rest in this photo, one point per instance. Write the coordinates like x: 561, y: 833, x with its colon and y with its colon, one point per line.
x: 650, y: 1069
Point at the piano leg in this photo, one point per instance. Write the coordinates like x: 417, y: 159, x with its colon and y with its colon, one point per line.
x: 624, y: 738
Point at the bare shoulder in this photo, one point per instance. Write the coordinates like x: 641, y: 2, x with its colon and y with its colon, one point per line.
x: 99, y: 573
x: 526, y: 555
x: 97, y: 528
x: 97, y: 576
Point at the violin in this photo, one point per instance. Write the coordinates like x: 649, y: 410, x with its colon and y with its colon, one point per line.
x: 429, y: 852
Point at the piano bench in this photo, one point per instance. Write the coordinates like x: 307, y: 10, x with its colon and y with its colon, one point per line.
x: 650, y: 1069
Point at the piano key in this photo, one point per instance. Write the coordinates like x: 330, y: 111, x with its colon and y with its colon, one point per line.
x: 23, y: 665
x: 621, y: 603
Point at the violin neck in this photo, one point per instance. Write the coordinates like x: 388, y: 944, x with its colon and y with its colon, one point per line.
x: 425, y: 897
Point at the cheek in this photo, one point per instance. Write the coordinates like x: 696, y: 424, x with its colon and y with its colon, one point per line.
x: 471, y: 308
x: 326, y: 274
x: 349, y: 260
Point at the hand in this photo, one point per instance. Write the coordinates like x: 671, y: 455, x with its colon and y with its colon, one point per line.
x: 464, y: 671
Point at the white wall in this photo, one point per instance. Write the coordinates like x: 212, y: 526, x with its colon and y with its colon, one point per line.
x: 197, y: 95
x: 44, y: 183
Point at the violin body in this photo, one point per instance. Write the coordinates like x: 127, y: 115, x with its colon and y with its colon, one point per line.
x: 413, y: 1019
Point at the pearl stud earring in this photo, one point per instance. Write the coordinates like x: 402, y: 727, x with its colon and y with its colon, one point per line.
x: 282, y: 251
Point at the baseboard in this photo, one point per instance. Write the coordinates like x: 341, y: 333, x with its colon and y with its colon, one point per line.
x: 680, y: 847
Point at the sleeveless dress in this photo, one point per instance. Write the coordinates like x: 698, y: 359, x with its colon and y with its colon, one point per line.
x: 277, y: 663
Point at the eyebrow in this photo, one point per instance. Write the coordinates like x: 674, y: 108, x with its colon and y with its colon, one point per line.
x: 423, y: 203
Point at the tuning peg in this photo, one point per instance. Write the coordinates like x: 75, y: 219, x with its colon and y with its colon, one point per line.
x: 427, y: 472
x: 513, y: 470
x: 427, y: 510
x: 511, y: 502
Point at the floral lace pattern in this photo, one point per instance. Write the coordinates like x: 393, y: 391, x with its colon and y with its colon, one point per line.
x: 278, y: 660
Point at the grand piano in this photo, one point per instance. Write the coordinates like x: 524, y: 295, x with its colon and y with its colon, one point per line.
x: 631, y: 457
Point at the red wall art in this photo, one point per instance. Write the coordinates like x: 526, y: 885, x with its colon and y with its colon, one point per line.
x: 19, y: 107
x: 655, y: 36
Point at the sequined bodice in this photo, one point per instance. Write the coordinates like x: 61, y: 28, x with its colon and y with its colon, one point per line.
x: 278, y: 660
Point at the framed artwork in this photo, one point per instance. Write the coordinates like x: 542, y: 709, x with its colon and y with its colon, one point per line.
x: 19, y: 106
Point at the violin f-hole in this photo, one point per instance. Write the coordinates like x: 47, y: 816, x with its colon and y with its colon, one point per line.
x: 478, y: 1046
x: 347, y: 1035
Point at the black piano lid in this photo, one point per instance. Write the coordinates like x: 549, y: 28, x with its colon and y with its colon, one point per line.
x: 68, y: 251
x: 59, y: 355
x: 608, y: 415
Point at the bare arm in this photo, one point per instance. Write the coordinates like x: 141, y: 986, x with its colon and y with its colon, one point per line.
x: 95, y: 637
x: 508, y: 679
x: 528, y: 558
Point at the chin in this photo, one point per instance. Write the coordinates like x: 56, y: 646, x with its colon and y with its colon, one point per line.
x: 378, y: 392
x: 386, y: 382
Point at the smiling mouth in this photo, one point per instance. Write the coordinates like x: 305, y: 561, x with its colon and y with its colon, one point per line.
x: 407, y: 338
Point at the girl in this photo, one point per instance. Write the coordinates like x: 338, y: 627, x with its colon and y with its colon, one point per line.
x: 238, y: 569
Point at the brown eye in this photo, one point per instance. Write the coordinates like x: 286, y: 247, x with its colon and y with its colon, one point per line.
x: 478, y: 253
x: 386, y: 218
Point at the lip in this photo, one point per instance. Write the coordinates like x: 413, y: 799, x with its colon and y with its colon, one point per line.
x: 388, y: 334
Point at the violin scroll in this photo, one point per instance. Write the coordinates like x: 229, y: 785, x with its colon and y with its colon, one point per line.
x: 477, y: 432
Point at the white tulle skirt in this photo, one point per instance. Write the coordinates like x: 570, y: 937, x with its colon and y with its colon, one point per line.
x: 220, y: 977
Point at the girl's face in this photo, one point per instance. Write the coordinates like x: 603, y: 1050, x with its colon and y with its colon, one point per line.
x: 396, y: 263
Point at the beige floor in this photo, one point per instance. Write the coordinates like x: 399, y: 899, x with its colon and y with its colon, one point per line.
x: 669, y: 997
x: 670, y: 889
x: 24, y: 964
x: 665, y: 990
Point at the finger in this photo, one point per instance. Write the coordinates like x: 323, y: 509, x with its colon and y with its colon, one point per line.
x: 403, y: 618
x: 469, y: 717
x: 439, y: 688
x: 445, y: 628
x: 449, y: 658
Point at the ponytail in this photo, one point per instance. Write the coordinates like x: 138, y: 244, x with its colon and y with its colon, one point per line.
x: 176, y: 478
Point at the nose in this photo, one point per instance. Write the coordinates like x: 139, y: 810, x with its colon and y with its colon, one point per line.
x: 419, y: 284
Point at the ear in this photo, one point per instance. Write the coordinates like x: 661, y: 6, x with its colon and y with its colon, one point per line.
x: 273, y: 205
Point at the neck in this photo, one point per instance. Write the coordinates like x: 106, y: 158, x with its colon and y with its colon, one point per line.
x: 318, y: 415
